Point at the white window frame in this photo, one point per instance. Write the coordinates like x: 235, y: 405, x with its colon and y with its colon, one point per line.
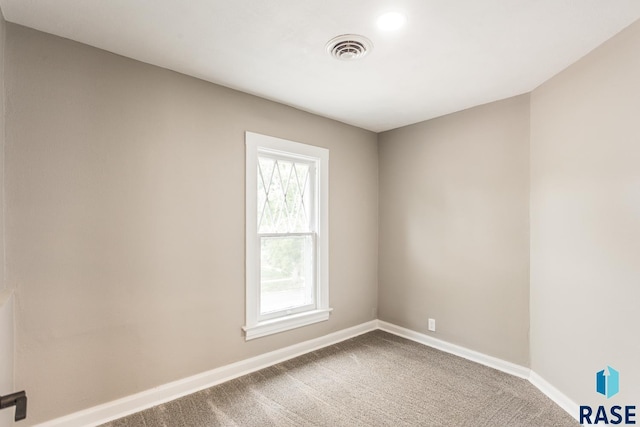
x: 256, y: 325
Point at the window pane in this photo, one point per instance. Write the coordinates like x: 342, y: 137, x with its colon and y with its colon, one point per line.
x: 286, y: 273
x: 284, y: 199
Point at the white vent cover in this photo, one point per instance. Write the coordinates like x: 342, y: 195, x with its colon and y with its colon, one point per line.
x: 349, y: 47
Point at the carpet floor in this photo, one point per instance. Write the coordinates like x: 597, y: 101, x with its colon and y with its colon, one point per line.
x: 375, y: 379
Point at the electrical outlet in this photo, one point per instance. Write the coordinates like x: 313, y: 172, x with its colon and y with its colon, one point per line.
x: 432, y: 325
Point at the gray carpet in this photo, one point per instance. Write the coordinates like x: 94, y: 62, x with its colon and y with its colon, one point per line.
x: 376, y: 379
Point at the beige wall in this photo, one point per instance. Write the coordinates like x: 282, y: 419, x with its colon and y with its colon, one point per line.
x: 6, y: 299
x: 3, y: 30
x: 125, y: 221
x: 6, y: 354
x: 585, y: 222
x: 454, y: 228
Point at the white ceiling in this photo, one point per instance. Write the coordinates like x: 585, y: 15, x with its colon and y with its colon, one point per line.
x: 451, y: 55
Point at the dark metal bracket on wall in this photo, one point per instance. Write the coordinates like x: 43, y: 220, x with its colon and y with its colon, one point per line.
x: 19, y: 400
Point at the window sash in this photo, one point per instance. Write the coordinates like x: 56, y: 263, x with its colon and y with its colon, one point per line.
x: 312, y: 163
x: 314, y: 277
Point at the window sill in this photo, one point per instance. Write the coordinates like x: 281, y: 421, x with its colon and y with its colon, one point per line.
x: 282, y: 324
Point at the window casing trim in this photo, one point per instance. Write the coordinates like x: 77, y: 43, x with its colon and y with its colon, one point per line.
x: 255, y: 324
x: 281, y: 324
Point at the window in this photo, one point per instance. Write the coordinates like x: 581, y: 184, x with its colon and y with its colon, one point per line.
x: 287, y: 283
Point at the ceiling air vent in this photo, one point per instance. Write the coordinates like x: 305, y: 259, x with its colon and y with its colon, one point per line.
x: 349, y: 47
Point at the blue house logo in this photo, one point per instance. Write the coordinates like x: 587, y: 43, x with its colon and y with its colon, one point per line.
x: 608, y: 382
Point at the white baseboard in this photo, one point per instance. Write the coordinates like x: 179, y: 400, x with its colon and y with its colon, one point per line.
x: 140, y: 401
x: 561, y: 399
x: 474, y: 356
